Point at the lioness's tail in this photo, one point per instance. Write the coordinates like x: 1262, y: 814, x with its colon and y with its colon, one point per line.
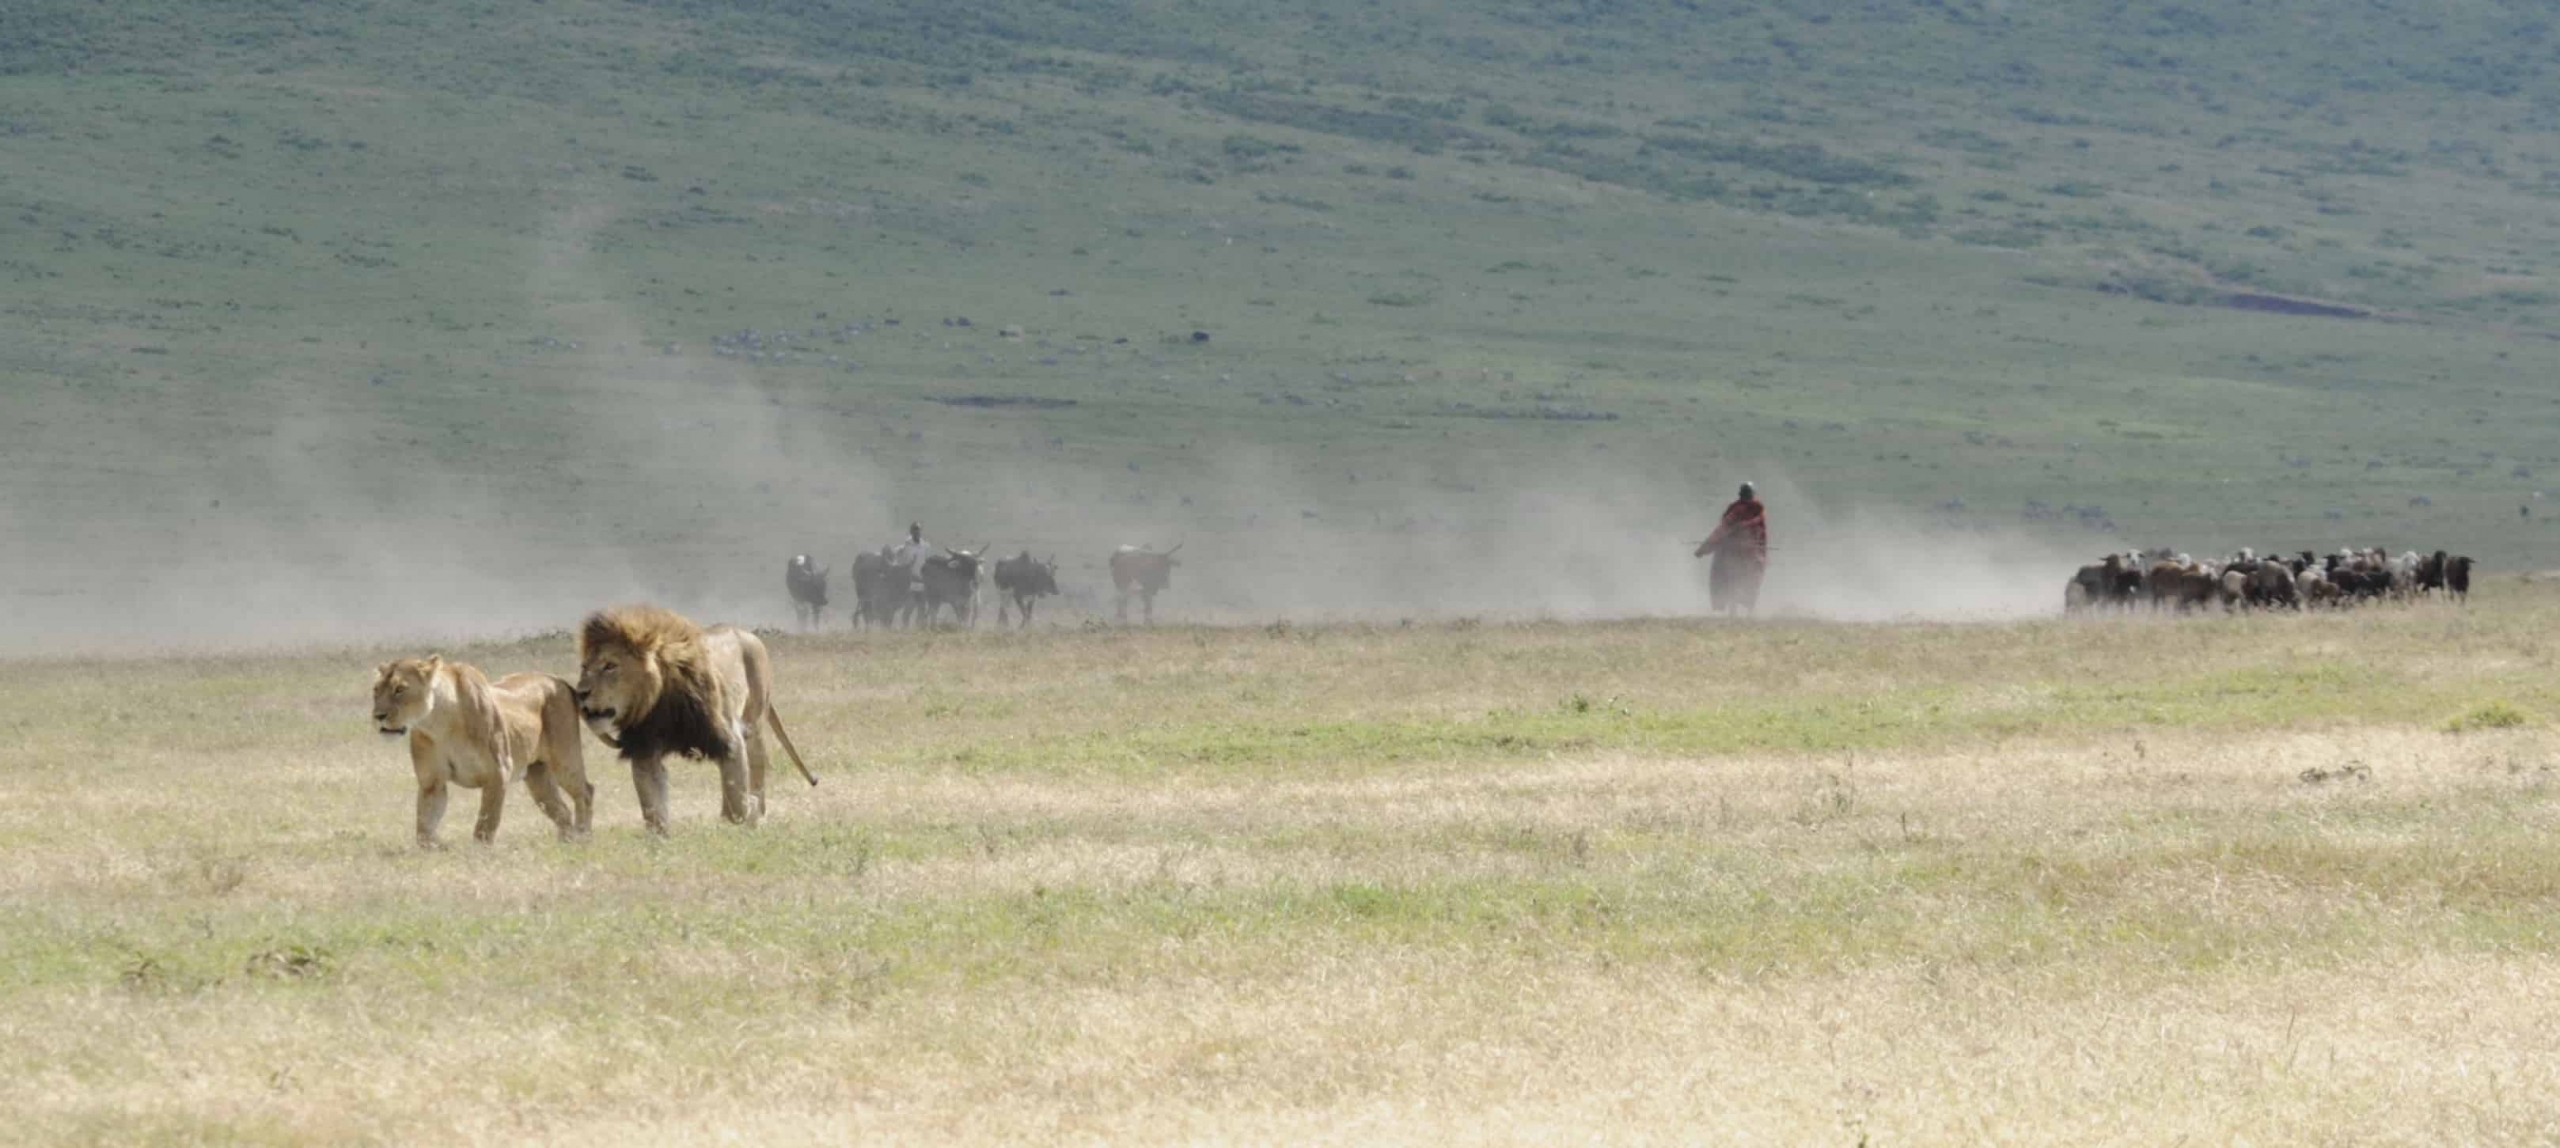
x: 775, y: 716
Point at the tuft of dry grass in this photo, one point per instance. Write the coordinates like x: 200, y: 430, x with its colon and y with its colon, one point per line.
x: 2127, y: 881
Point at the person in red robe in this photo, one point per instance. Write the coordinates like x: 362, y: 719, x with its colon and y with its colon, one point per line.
x: 1740, y: 544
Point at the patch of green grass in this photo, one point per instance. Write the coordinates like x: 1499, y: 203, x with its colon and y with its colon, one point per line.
x: 2487, y: 715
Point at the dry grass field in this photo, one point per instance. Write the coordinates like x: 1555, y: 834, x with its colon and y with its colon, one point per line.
x: 341, y: 321
x: 2283, y: 880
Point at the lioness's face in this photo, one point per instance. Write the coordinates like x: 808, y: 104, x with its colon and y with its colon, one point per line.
x: 400, y: 691
x: 615, y: 688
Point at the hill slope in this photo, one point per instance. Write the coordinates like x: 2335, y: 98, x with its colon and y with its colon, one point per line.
x: 316, y: 305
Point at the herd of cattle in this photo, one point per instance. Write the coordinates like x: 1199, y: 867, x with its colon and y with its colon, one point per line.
x: 890, y: 593
x: 2165, y: 581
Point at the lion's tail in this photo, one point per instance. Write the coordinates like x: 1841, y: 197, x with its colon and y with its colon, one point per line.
x: 775, y: 716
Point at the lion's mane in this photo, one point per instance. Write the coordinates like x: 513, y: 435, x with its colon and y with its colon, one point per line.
x: 684, y: 718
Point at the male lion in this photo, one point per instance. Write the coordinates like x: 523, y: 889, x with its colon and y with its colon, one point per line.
x: 652, y: 683
x: 465, y: 731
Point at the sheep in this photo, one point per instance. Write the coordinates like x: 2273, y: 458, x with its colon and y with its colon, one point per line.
x: 2312, y: 586
x: 2344, y: 576
x: 2272, y: 585
x: 2233, y: 589
x: 2403, y: 574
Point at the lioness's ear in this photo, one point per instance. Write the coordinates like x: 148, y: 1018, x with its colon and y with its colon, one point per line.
x: 382, y: 671
x: 435, y: 662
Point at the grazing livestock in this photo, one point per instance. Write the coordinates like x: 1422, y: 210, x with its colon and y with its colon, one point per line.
x: 1143, y: 572
x: 2272, y: 586
x: 2089, y: 585
x: 2429, y: 576
x: 2359, y: 580
x: 2165, y: 579
x: 951, y: 579
x: 2313, y: 586
x: 807, y: 583
x: 2457, y: 578
x: 2183, y: 585
x: 2129, y: 580
x: 1021, y: 581
x: 2114, y: 582
x: 2232, y: 589
x: 2403, y: 572
x: 883, y: 591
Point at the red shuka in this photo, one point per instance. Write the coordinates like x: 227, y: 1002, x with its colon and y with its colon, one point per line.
x: 1744, y: 531
x: 1741, y: 546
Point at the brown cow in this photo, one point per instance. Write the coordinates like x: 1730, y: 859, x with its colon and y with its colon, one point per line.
x: 1144, y: 572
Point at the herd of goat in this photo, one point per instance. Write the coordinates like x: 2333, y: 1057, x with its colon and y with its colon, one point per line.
x: 2165, y: 581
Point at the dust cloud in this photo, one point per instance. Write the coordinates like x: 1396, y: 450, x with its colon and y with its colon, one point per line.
x: 314, y: 537
x: 1596, y: 543
x: 398, y: 512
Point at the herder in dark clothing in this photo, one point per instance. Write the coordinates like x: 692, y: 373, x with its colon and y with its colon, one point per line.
x: 1741, y: 546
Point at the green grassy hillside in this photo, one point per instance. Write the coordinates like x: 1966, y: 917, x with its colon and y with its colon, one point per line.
x: 310, y: 304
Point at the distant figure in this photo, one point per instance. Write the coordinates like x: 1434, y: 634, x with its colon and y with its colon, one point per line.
x: 1740, y: 544
x: 912, y: 552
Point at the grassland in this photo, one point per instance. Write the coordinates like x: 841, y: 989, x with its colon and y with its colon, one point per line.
x: 275, y: 270
x: 343, y: 320
x: 2121, y: 881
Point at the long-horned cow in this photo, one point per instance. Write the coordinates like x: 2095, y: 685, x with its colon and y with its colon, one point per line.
x: 1021, y: 581
x: 807, y: 582
x: 951, y: 579
x: 1144, y: 572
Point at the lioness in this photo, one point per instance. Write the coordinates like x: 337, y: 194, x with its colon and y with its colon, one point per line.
x: 652, y: 683
x: 465, y: 731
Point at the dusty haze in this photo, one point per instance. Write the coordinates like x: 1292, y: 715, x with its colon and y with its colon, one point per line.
x: 689, y: 480
x: 310, y: 537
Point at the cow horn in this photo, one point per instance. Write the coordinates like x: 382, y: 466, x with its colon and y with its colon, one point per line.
x: 1176, y: 546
